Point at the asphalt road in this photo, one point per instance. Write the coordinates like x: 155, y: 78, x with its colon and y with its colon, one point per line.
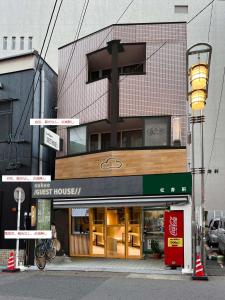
x: 102, y: 286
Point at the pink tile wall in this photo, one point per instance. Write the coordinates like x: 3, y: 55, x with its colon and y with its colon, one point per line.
x: 162, y: 91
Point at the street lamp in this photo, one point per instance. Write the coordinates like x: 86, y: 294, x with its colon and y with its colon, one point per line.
x: 198, y: 62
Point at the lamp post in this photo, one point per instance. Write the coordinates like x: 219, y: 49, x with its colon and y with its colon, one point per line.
x: 198, y: 64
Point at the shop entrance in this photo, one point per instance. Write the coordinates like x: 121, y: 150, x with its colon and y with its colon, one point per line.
x: 114, y: 232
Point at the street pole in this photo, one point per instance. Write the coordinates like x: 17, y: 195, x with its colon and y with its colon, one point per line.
x: 202, y: 193
x: 193, y: 197
x: 18, y: 228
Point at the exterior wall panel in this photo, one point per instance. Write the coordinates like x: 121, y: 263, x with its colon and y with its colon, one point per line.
x: 122, y: 163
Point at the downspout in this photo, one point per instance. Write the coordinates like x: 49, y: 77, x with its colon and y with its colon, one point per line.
x: 42, y: 104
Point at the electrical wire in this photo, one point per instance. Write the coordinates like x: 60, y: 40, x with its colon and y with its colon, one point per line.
x: 32, y: 84
x: 120, y: 17
x: 59, y: 99
x: 217, y: 118
x: 53, y: 28
x: 124, y: 76
x: 80, y: 23
x: 195, y: 16
x: 210, y: 21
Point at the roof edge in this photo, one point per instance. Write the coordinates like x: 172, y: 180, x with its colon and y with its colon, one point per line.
x: 120, y: 24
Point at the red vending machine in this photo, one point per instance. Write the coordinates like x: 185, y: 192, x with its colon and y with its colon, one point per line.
x: 174, y: 238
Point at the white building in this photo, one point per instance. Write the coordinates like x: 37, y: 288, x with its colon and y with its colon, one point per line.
x: 24, y: 24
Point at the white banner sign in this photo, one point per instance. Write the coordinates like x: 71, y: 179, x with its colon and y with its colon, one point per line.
x: 51, y: 139
x: 64, y: 122
x: 26, y: 178
x: 28, y: 234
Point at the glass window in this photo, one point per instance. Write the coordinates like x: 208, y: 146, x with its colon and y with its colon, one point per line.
x: 216, y: 224
x: 21, y: 43
x: 157, y: 131
x: 98, y: 215
x: 106, y: 73
x: 77, y: 140
x: 30, y: 40
x: 80, y: 224
x: 132, y: 69
x: 5, y: 117
x: 94, y: 142
x: 105, y: 141
x: 115, y: 216
x: 134, y: 215
x: 13, y: 46
x: 132, y: 138
x: 5, y: 39
x: 176, y: 131
x: 94, y: 75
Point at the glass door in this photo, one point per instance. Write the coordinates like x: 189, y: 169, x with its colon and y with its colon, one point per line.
x: 115, y: 232
x: 98, y: 231
x: 134, y: 232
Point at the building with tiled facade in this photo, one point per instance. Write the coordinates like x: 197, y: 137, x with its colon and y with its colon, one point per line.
x: 127, y: 161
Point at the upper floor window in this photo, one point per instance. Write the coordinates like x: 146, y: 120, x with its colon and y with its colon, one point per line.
x: 132, y: 133
x: 30, y: 42
x: 13, y: 45
x: 157, y: 131
x: 77, y: 140
x: 5, y: 42
x: 131, y: 61
x: 22, y: 43
x: 5, y: 117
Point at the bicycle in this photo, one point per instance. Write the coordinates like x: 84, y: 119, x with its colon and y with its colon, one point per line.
x: 45, y: 250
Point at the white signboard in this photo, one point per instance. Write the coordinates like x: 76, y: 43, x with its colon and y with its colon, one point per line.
x: 28, y: 234
x: 51, y: 139
x: 63, y: 122
x: 26, y: 178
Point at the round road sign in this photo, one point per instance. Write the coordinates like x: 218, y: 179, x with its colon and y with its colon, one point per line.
x: 19, y: 191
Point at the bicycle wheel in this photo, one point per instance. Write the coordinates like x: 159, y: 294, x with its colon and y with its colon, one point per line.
x: 51, y: 251
x: 39, y: 250
x: 40, y: 262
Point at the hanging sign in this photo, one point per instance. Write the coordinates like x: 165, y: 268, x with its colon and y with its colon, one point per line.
x: 50, y: 139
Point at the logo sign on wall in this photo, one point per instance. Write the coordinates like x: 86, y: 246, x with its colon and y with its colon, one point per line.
x: 111, y: 163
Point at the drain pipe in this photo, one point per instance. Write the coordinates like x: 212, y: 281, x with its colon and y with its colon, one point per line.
x: 42, y: 117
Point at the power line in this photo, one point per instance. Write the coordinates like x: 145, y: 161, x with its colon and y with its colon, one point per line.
x: 108, y: 35
x: 217, y: 118
x: 53, y: 28
x: 210, y: 21
x: 126, y: 75
x: 120, y: 17
x: 36, y: 68
x: 80, y: 23
x: 195, y: 16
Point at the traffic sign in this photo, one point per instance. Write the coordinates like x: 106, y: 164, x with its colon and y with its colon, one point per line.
x: 19, y: 192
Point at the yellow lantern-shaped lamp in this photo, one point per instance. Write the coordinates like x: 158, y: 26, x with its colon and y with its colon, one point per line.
x: 199, y: 76
x: 197, y: 99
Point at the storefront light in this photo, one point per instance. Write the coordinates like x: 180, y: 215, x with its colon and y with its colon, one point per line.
x: 197, y: 99
x: 199, y: 76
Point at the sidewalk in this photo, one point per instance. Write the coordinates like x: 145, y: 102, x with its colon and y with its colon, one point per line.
x: 148, y: 266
